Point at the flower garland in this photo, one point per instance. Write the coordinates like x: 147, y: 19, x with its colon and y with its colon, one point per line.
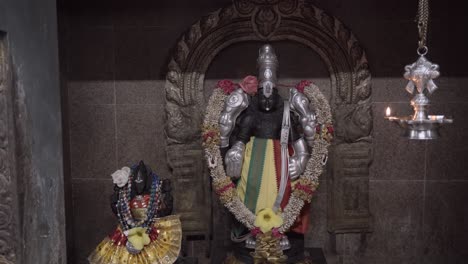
x: 124, y: 214
x: 138, y: 233
x: 307, y: 182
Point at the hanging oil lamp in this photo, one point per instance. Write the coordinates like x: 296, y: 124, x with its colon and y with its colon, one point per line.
x: 420, y: 76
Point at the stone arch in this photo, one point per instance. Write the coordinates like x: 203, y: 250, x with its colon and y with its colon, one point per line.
x: 272, y: 20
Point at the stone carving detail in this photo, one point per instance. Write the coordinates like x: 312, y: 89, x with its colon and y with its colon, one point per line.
x: 273, y: 20
x: 173, y: 87
x: 225, y: 14
x: 348, y: 193
x: 182, y: 51
x: 209, y: 22
x: 181, y: 118
x: 266, y: 21
x: 193, y: 35
x: 7, y: 220
x: 244, y: 7
x: 187, y: 160
x: 287, y: 6
x: 353, y: 123
x: 343, y: 34
x: 328, y: 22
x: 363, y: 89
x: 308, y: 12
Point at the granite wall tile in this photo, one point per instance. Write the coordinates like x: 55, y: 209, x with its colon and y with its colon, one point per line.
x: 451, y: 89
x: 140, y: 136
x: 445, y: 229
x: 91, y: 54
x: 395, y: 157
x: 92, y: 141
x: 138, y: 92
x: 393, y: 90
x: 446, y: 156
x: 93, y: 217
x: 90, y: 93
x: 397, y: 207
x: 390, y: 90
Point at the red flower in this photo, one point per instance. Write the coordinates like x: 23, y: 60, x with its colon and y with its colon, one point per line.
x: 227, y: 86
x: 209, y: 134
x: 249, y: 84
x: 304, y: 188
x: 118, y: 238
x: 225, y: 188
x: 276, y: 233
x: 256, y: 231
x: 330, y: 129
x: 153, y: 234
x: 318, y: 129
x: 300, y: 86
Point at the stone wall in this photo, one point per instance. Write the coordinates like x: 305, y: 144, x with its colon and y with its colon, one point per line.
x: 32, y: 218
x: 114, y: 59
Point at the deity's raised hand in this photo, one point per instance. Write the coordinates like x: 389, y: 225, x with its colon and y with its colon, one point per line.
x: 233, y: 160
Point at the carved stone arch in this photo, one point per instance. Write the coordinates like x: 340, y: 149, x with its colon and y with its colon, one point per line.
x: 273, y: 20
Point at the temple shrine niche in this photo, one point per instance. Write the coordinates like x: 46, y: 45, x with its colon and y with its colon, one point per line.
x: 297, y: 21
x: 233, y: 131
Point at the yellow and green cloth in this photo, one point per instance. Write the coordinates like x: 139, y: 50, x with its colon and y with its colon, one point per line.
x: 260, y: 178
x: 261, y: 172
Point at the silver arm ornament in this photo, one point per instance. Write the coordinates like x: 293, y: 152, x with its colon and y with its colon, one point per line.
x: 234, y: 158
x: 298, y: 161
x: 235, y: 103
x: 300, y: 105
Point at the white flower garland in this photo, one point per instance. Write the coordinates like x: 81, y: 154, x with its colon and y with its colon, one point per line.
x: 309, y: 178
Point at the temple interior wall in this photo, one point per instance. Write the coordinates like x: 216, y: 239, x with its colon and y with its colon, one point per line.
x: 113, y: 62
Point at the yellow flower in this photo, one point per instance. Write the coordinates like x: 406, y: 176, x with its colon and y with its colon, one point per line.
x: 267, y: 219
x: 138, y: 237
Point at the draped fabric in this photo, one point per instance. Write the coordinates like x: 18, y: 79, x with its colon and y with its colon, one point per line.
x: 164, y: 247
x: 260, y: 179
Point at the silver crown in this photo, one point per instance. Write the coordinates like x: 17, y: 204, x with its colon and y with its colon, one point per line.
x: 267, y: 64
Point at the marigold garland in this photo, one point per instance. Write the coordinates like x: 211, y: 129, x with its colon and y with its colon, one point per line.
x: 308, y: 181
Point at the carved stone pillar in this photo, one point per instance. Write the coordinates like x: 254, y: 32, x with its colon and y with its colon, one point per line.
x: 349, y: 188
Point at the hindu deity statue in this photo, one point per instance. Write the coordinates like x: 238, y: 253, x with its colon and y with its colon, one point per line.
x: 147, y: 232
x: 265, y: 141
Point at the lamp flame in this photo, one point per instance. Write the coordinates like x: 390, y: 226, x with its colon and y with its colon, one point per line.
x: 388, y: 111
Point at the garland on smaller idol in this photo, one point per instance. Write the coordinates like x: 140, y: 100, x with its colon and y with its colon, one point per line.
x: 139, y: 232
x: 124, y: 213
x: 308, y: 181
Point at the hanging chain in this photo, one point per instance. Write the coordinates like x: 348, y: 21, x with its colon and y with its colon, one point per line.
x: 423, y: 21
